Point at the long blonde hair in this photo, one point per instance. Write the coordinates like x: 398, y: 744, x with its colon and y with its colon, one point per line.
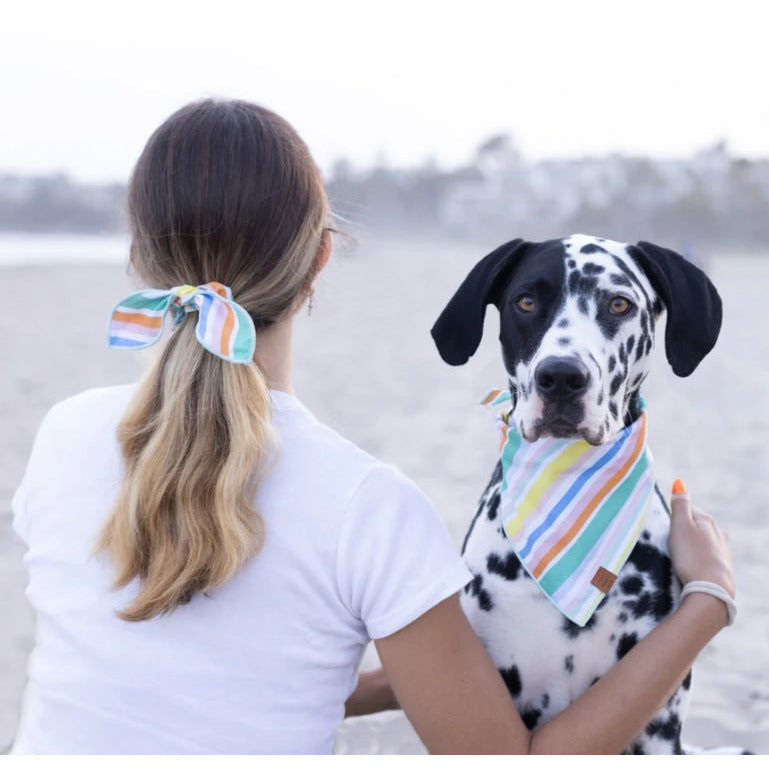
x: 224, y: 191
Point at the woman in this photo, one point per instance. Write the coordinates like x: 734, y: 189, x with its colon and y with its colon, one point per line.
x: 207, y: 561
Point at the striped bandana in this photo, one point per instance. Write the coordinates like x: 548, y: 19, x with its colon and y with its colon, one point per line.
x: 223, y: 326
x: 572, y: 511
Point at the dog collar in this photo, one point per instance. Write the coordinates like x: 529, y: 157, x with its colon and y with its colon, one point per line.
x: 572, y: 511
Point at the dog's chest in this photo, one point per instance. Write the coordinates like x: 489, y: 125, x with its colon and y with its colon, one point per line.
x: 548, y: 661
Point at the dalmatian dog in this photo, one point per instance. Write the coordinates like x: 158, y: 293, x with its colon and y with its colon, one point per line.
x: 577, y: 324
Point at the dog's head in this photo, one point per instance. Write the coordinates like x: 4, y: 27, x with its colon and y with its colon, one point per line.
x: 577, y: 322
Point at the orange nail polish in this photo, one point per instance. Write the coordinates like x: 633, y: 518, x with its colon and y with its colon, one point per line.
x: 679, y: 487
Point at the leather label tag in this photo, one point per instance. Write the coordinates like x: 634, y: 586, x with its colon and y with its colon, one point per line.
x: 603, y: 579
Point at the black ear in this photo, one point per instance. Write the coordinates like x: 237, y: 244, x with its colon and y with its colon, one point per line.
x: 459, y: 328
x: 691, y: 300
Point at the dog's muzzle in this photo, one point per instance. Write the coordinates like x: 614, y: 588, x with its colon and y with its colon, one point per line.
x: 561, y: 382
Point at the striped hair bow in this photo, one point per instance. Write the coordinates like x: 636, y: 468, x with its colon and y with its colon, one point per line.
x: 223, y: 326
x: 573, y: 512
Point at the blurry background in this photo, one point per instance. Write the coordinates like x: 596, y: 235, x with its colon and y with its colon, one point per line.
x: 442, y: 129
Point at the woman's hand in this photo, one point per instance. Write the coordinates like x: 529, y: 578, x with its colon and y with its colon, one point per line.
x: 699, y: 549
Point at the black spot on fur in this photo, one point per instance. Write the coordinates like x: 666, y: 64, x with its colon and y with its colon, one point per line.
x: 612, y: 363
x: 622, y: 354
x: 563, y: 323
x: 613, y: 409
x: 620, y: 280
x: 654, y: 563
x: 509, y: 567
x: 599, y: 401
x: 564, y: 340
x: 658, y: 604
x: 687, y: 682
x: 476, y: 589
x: 545, y: 701
x: 630, y: 343
x: 622, y: 617
x: 631, y: 584
x: 640, y: 349
x: 493, y: 507
x: 626, y: 643
x: 581, y: 284
x: 592, y: 269
x: 530, y: 716
x: 668, y: 729
x: 592, y: 248
x: 572, y: 264
x: 573, y: 630
x: 582, y: 305
x: 512, y: 678
x: 616, y: 383
x: 568, y: 663
x: 657, y: 307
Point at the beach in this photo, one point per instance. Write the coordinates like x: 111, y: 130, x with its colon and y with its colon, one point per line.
x: 366, y: 365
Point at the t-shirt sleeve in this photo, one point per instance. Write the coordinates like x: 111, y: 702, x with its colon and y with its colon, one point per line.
x: 395, y: 557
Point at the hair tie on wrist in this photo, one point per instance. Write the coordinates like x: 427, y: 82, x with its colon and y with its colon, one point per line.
x: 223, y: 327
x: 711, y: 588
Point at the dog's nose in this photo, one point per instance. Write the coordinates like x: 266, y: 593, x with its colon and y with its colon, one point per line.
x: 561, y: 378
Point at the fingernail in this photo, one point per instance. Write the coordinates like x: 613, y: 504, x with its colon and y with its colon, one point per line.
x: 679, y: 487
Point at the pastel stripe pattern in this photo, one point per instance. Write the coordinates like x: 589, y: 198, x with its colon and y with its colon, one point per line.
x: 223, y: 327
x: 572, y: 511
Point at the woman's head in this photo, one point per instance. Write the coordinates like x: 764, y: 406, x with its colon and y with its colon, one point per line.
x: 227, y: 191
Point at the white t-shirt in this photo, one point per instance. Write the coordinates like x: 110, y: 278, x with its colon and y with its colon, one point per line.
x: 353, y: 552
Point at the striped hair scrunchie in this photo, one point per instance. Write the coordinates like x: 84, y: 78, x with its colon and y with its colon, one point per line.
x: 223, y: 327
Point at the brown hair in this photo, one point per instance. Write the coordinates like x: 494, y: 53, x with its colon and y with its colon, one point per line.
x: 224, y: 191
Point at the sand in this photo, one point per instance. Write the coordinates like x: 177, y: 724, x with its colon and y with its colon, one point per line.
x: 366, y: 365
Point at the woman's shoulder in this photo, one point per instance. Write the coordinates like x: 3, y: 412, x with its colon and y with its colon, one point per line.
x: 89, y: 406
x: 87, y: 411
x: 319, y: 455
x: 94, y: 398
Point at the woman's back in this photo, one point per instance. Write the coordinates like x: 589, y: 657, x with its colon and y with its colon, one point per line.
x: 264, y: 663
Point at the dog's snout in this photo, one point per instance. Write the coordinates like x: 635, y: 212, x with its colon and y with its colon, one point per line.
x: 561, y: 378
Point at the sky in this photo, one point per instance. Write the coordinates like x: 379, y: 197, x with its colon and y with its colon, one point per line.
x: 84, y: 84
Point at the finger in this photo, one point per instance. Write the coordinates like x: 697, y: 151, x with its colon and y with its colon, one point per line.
x: 680, y: 504
x: 703, y: 519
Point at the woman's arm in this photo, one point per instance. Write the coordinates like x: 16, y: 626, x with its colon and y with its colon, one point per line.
x: 372, y: 695
x: 458, y: 703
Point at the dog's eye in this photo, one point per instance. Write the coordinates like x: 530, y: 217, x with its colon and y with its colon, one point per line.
x: 526, y: 303
x: 619, y: 305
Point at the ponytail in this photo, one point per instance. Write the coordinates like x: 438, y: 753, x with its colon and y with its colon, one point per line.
x: 195, y: 442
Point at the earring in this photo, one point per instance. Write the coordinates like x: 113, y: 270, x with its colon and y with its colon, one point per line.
x: 309, y: 304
